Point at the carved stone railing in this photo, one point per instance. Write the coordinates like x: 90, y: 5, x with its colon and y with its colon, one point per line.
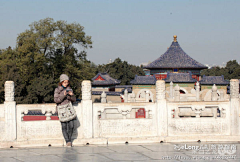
x: 194, y: 94
x: 197, y: 118
x: 207, y: 109
x: 123, y: 110
x: 47, y: 109
x: 120, y: 119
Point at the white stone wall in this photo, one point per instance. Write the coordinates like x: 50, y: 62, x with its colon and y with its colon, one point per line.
x: 126, y: 128
x: 33, y: 130
x: 44, y: 129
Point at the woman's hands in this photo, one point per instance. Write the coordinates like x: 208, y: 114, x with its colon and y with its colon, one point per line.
x: 70, y: 93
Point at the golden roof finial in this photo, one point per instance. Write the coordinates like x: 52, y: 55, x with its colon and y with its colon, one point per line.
x: 175, y: 38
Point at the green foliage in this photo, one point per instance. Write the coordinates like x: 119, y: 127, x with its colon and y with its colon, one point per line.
x: 44, y: 52
x: 8, y: 69
x: 231, y: 71
x: 121, y: 70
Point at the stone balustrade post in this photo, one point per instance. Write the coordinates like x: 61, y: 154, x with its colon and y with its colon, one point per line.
x: 177, y: 93
x: 133, y: 97
x: 87, y: 109
x: 214, y: 93
x: 10, y: 112
x: 103, y: 97
x: 147, y: 96
x: 125, y: 95
x: 161, y: 111
x: 197, y: 92
x: 234, y: 108
x: 221, y: 96
x: 171, y: 90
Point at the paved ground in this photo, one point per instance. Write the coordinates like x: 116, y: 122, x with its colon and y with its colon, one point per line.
x: 126, y: 152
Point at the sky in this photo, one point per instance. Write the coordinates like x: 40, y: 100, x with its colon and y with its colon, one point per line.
x: 136, y: 31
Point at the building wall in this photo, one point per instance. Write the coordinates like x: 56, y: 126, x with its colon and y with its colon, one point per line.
x: 100, y: 89
x: 119, y: 89
x: 97, y: 98
x: 159, y: 71
x: 224, y: 87
x: 143, y: 87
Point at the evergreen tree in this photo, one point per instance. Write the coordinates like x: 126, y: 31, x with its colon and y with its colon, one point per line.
x: 231, y: 71
x: 121, y: 70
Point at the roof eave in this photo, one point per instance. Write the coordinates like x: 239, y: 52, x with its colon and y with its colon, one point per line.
x: 177, y: 67
x: 181, y: 81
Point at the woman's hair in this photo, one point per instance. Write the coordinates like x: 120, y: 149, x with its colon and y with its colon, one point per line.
x: 60, y: 83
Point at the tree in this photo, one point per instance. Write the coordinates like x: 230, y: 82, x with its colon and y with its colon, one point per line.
x: 121, y: 70
x: 231, y: 71
x: 43, y: 53
x: 8, y: 70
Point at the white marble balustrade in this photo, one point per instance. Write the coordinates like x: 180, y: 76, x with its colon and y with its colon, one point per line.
x: 164, y: 120
x: 119, y: 120
x: 198, y: 118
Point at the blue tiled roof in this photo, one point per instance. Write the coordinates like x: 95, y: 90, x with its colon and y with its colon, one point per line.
x: 175, y: 57
x: 108, y: 93
x: 143, y: 80
x: 180, y: 78
x: 213, y: 80
x: 107, y: 80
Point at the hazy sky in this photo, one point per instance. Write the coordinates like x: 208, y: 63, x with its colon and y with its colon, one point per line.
x: 136, y: 31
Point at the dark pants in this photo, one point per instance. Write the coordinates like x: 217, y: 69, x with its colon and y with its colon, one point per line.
x: 67, y: 130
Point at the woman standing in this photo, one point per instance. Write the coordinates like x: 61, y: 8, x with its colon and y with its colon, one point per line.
x: 63, y: 95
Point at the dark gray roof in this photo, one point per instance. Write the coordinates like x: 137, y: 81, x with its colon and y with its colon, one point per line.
x: 175, y: 57
x: 107, y: 80
x: 107, y: 93
x: 180, y: 78
x: 213, y: 80
x: 143, y: 80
